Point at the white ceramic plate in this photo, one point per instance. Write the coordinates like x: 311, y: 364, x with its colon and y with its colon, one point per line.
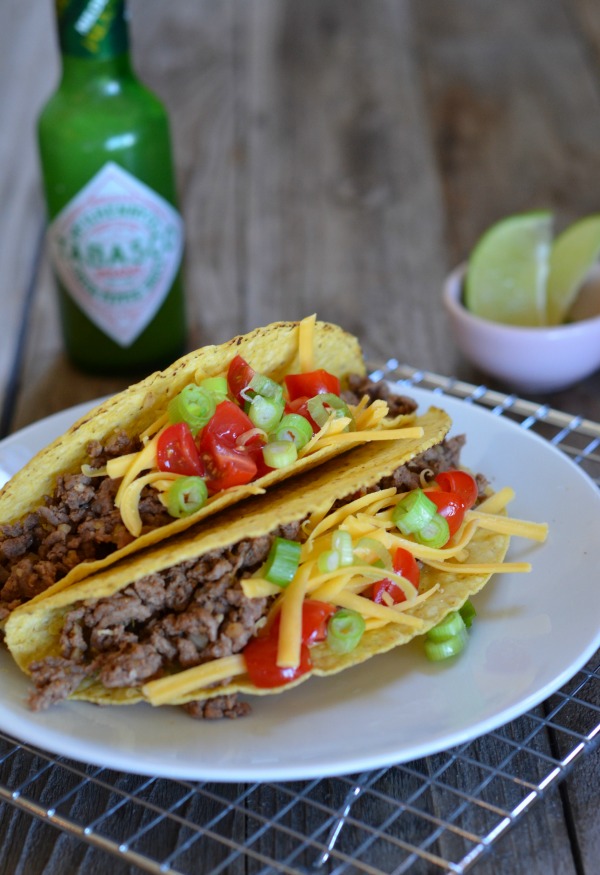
x: 532, y: 633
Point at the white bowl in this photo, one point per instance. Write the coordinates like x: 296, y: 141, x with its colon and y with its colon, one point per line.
x: 529, y: 359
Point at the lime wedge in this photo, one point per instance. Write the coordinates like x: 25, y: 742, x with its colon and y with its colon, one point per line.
x: 574, y: 253
x: 508, y: 268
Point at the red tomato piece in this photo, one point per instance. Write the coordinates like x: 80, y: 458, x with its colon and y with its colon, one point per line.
x: 225, y: 466
x: 315, y: 615
x: 311, y: 383
x: 300, y: 406
x: 405, y: 564
x: 260, y: 655
x: 449, y: 505
x: 239, y: 375
x: 392, y: 589
x: 228, y: 423
x: 176, y: 451
x: 461, y: 483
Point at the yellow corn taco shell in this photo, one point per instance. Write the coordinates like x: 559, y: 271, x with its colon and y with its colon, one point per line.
x: 275, y: 350
x: 33, y: 631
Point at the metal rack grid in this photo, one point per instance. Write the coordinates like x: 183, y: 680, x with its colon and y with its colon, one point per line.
x: 434, y: 814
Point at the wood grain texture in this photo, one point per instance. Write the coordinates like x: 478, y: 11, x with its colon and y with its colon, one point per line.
x: 333, y: 157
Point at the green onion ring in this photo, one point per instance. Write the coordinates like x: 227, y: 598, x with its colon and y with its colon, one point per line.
x: 194, y: 405
x: 280, y: 454
x: 341, y: 542
x: 450, y: 626
x: 372, y: 552
x: 413, y: 512
x: 435, y: 533
x: 293, y: 427
x: 217, y: 386
x: 186, y: 495
x: 264, y: 412
x: 282, y: 561
x: 439, y: 650
x: 345, y: 630
x: 323, y: 405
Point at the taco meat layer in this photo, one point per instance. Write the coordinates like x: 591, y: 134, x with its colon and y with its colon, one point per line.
x: 185, y: 615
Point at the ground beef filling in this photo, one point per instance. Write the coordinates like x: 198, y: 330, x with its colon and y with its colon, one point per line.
x: 80, y: 522
x: 183, y: 616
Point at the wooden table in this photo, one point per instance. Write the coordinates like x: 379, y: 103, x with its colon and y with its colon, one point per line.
x: 337, y: 156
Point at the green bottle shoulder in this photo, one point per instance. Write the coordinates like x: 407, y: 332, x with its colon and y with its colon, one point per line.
x: 103, y: 98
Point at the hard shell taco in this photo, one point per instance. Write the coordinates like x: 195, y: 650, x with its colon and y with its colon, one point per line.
x: 357, y: 557
x: 220, y: 424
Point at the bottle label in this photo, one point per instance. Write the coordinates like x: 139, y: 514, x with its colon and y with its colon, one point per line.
x: 116, y: 248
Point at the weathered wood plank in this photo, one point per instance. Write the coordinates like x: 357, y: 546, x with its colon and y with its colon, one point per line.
x: 334, y: 157
x: 20, y: 217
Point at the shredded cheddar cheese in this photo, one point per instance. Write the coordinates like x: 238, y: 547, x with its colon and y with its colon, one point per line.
x: 349, y: 586
x: 170, y: 688
x: 369, y: 421
x: 306, y: 343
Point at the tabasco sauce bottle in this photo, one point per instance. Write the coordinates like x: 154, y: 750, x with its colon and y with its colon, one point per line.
x: 115, y: 236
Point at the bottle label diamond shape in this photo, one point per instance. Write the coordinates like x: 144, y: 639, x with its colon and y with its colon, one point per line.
x: 116, y: 248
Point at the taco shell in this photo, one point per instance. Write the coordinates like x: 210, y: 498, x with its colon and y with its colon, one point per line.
x: 33, y: 630
x: 274, y: 350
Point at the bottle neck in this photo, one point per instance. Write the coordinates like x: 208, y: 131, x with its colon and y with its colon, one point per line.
x: 92, y: 30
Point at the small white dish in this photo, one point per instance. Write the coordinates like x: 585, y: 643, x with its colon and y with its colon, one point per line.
x: 544, y: 359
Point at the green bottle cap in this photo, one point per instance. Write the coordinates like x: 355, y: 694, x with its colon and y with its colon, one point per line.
x: 92, y: 28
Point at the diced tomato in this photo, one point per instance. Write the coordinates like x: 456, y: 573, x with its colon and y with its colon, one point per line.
x: 461, y: 483
x: 315, y: 615
x: 260, y: 655
x: 395, y: 592
x: 300, y: 406
x: 311, y: 383
x: 228, y: 422
x: 177, y: 453
x: 239, y: 375
x: 226, y: 464
x: 449, y: 505
x: 405, y: 564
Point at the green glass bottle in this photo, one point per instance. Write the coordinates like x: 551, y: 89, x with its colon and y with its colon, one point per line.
x: 115, y: 236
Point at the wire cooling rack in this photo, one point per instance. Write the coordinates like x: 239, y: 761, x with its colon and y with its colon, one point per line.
x: 439, y: 814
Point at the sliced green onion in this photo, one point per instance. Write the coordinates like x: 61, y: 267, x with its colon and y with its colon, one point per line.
x: 265, y: 413
x: 194, y: 405
x: 413, y: 512
x: 438, y: 650
x: 435, y: 533
x: 344, y: 631
x: 282, y: 561
x: 267, y: 387
x: 217, y: 386
x: 323, y: 405
x: 293, y: 427
x: 372, y: 552
x: 186, y: 495
x: 329, y: 560
x: 249, y: 435
x: 450, y: 626
x: 280, y: 454
x: 262, y: 385
x: 468, y: 613
x: 341, y: 542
